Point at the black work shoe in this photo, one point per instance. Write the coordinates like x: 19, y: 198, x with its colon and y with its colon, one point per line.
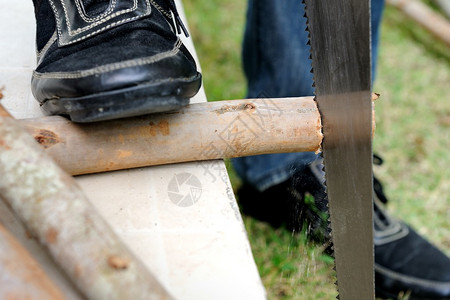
x: 405, y: 263
x: 108, y: 59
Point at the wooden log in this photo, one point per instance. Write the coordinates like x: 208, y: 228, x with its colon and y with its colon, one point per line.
x: 436, y: 24
x: 203, y: 131
x: 445, y: 7
x: 58, y: 214
x: 21, y: 277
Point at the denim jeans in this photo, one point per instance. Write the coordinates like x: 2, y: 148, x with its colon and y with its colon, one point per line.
x: 276, y: 63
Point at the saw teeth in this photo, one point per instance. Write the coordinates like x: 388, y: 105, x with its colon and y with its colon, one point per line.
x: 329, y: 243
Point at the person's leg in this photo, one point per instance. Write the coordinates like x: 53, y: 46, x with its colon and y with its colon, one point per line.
x: 276, y: 64
x: 274, y: 54
x: 101, y: 60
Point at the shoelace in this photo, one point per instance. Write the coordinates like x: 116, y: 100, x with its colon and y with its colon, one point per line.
x: 178, y: 23
x: 377, y: 186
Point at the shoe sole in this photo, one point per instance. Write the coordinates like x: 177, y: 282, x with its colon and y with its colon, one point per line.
x: 127, y: 102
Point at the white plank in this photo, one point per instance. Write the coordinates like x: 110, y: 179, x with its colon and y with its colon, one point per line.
x: 198, y: 251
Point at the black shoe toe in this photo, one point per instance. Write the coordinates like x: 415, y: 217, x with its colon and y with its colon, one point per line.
x: 134, y: 68
x: 411, y: 266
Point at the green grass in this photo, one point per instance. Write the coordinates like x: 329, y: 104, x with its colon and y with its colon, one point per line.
x: 413, y: 119
x: 217, y: 27
x: 413, y: 126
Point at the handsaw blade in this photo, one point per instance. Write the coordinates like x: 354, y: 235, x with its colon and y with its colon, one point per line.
x: 339, y: 32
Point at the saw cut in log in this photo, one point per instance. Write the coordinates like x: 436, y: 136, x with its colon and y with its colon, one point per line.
x: 21, y: 277
x: 204, y: 131
x: 56, y: 212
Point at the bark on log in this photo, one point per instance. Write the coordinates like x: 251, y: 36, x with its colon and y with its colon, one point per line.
x: 203, y: 131
x: 21, y: 277
x: 57, y: 213
x: 423, y: 15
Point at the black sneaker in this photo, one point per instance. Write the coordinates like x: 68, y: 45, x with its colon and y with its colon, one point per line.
x: 108, y: 59
x: 405, y: 263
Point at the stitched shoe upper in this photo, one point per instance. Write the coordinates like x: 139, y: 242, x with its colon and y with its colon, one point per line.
x: 412, y: 265
x: 145, y: 50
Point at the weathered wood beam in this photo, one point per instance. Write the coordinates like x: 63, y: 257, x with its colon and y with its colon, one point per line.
x: 436, y: 24
x: 56, y: 212
x: 202, y: 131
x: 21, y: 277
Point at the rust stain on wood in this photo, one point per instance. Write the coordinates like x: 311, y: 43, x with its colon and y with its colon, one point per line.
x: 3, y: 111
x: 29, y: 235
x: 47, y: 138
x: 118, y: 263
x: 124, y: 153
x: 238, y: 107
x: 78, y: 270
x: 4, y: 145
x: 51, y: 235
x: 160, y: 127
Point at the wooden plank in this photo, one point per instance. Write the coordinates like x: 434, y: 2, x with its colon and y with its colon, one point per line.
x: 21, y: 277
